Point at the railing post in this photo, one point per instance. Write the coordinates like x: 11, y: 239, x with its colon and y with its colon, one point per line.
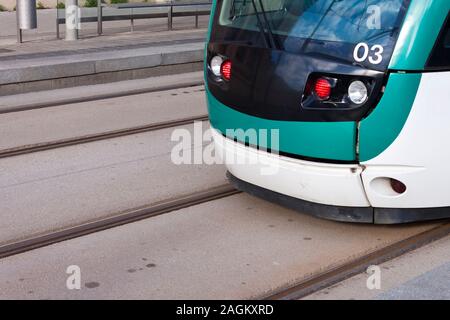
x: 196, y: 21
x: 57, y: 21
x: 132, y: 20
x: 99, y: 18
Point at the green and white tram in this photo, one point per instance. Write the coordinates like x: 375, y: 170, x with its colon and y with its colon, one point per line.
x: 353, y: 98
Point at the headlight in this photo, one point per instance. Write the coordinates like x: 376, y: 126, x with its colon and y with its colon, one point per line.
x: 216, y: 65
x: 357, y: 92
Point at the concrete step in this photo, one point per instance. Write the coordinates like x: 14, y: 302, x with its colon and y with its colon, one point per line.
x: 31, y: 73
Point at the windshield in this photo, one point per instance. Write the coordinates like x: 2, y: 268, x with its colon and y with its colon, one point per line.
x: 360, y: 31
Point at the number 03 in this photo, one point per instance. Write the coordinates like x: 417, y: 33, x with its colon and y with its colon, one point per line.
x: 374, y: 54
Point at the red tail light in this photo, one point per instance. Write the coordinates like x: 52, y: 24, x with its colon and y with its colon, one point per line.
x: 226, y: 70
x: 322, y: 88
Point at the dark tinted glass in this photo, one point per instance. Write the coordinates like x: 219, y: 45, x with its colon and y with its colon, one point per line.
x: 440, y: 57
x: 362, y: 32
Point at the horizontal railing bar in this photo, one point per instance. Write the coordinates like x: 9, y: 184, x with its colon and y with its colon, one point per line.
x: 137, y: 16
x: 163, y: 5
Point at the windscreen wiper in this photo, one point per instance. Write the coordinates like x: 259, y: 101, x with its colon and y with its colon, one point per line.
x: 271, y: 42
x: 269, y: 28
x: 260, y: 25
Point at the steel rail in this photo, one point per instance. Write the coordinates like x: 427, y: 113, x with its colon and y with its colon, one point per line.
x: 32, y: 148
x: 118, y: 219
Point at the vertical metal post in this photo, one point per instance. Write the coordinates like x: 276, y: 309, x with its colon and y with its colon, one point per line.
x: 19, y: 31
x: 170, y: 17
x: 72, y: 20
x: 99, y: 17
x: 196, y: 21
x: 132, y: 20
x: 57, y: 20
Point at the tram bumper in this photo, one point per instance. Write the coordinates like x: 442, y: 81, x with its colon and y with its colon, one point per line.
x: 330, y: 191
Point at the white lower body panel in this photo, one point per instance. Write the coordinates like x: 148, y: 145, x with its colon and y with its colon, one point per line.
x: 329, y: 184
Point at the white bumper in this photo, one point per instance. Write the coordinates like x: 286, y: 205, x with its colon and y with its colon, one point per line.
x: 338, y: 185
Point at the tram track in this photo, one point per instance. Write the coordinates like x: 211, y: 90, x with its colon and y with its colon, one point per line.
x: 100, y: 96
x: 115, y: 220
x: 356, y: 266
x: 27, y: 149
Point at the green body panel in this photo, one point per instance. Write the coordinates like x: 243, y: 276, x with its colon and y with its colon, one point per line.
x: 384, y: 124
x: 324, y: 140
x: 420, y: 30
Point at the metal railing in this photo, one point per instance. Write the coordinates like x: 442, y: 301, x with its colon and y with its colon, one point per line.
x: 135, y: 11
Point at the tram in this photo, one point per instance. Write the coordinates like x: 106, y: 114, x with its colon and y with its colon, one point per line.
x: 339, y: 108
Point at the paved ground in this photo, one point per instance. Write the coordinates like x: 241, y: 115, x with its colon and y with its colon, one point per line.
x: 421, y: 274
x: 234, y: 248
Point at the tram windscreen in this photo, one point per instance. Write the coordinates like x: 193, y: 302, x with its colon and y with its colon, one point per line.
x: 361, y: 31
